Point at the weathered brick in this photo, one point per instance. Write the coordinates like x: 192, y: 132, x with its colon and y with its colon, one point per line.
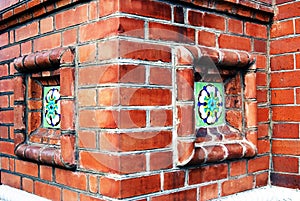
x: 161, y: 160
x: 27, y: 31
x: 214, y: 21
x: 282, y: 28
x: 10, y: 180
x: 261, y: 79
x: 207, y: 38
x: 87, y: 139
x: 288, y: 11
x: 208, y: 173
x: 260, y: 46
x: 235, y: 26
x: 89, y: 198
x: 238, y: 168
x: 46, y: 25
x: 285, y: 180
x: 7, y: 116
x: 263, y: 146
x: 72, y: 179
x: 87, y: 97
x: 145, y: 96
x: 159, y: 31
x: 144, y: 51
x: 285, y: 164
x: 284, y: 45
x: 256, y: 30
x: 4, y: 39
x: 173, y: 180
x: 103, y: 162
x: 234, y: 118
x: 209, y: 192
x: 286, y: 113
x: 285, y: 62
x: 237, y: 185
x: 46, y: 173
x: 153, y: 9
x: 93, y: 183
x: 48, y: 191
x: 160, y: 118
x: 98, y: 75
x: 285, y: 96
x: 4, y: 102
x: 71, y: 17
x: 178, y: 14
x: 258, y: 164
x: 9, y: 53
x: 130, y: 187
x: 27, y: 168
x: 287, y: 147
x: 234, y: 42
x: 98, y: 118
x: 186, y: 127
x: 185, y: 84
x: 27, y: 185
x: 68, y: 195
x: 111, y: 27
x: 263, y: 114
x: 135, y: 141
x: 108, y: 96
x: 262, y: 179
x: 160, y: 76
x: 47, y: 42
x: 195, y: 18
x: 87, y: 53
x: 181, y: 195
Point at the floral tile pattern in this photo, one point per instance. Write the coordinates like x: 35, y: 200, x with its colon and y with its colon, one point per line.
x: 209, y: 104
x: 51, y: 107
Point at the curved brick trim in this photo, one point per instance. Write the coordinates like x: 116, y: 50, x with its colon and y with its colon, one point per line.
x: 213, y: 145
x: 45, y: 154
x: 222, y: 151
x: 45, y: 60
x: 63, y: 156
x: 224, y: 59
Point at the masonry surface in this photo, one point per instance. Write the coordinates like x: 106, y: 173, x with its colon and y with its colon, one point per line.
x: 126, y: 71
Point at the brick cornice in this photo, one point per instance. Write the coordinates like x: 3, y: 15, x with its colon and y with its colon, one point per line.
x: 45, y: 60
x: 261, y: 10
x: 14, y: 13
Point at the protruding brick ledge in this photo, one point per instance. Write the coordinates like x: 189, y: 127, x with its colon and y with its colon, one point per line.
x: 228, y: 59
x: 222, y: 151
x: 45, y: 60
x: 50, y: 155
x: 256, y: 10
x: 215, y: 144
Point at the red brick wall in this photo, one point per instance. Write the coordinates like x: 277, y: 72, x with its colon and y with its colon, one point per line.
x: 125, y: 84
x: 284, y: 85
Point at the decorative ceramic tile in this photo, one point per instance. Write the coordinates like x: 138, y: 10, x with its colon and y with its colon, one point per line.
x: 51, y: 105
x: 209, y: 104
